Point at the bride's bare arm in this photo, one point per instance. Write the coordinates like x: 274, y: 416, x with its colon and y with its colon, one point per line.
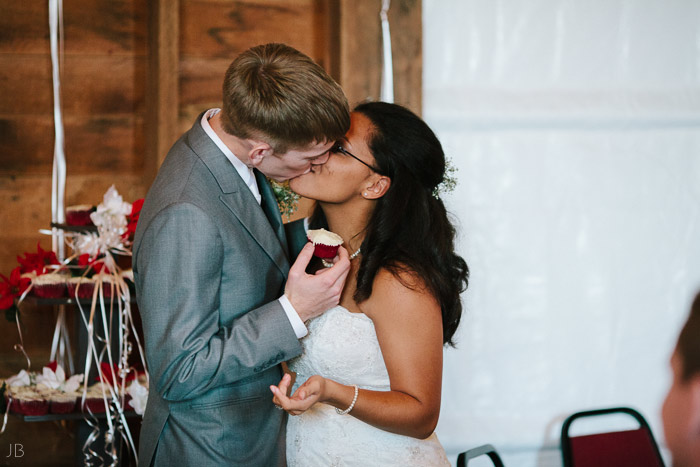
x: 408, y: 323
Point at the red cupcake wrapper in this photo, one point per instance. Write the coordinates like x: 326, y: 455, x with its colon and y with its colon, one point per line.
x: 78, y: 217
x: 50, y: 290
x: 34, y: 407
x: 62, y: 407
x: 94, y: 404
x: 325, y: 251
x: 12, y: 407
x: 84, y: 291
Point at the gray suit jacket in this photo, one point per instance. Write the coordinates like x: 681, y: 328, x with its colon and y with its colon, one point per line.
x: 209, y: 267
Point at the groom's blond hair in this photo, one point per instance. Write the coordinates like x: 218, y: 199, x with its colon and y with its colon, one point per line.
x: 277, y: 94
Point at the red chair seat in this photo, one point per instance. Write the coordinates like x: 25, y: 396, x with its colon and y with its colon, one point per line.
x: 631, y: 448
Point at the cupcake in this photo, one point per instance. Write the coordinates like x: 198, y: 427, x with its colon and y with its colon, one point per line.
x: 12, y: 399
x: 31, y: 402
x: 50, y: 285
x: 62, y: 402
x: 94, y: 399
x: 79, y: 215
x: 109, y: 283
x: 81, y: 287
x: 326, y: 243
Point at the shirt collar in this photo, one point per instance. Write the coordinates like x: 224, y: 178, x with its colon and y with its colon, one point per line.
x: 243, y: 170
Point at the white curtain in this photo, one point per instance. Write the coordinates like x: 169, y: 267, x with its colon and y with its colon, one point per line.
x: 575, y: 128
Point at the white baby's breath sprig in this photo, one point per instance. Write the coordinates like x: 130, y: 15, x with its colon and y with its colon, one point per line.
x: 449, y: 180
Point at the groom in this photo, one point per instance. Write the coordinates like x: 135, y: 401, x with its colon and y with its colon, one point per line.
x: 220, y: 306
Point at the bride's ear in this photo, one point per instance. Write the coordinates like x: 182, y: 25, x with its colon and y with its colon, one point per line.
x: 378, y: 188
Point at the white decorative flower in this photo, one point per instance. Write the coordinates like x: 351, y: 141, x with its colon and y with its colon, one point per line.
x: 139, y: 396
x: 87, y: 243
x: 110, y: 218
x: 20, y: 379
x: 57, y: 379
x: 113, y: 204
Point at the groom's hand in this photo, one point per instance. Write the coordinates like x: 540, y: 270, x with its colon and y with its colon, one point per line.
x: 311, y: 295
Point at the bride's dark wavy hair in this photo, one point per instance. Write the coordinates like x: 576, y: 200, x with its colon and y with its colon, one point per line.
x: 409, y: 230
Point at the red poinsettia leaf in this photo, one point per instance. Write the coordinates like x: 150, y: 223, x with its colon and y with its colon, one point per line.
x: 53, y: 365
x: 15, y: 276
x: 106, y: 371
x: 24, y: 284
x: 6, y: 297
x: 98, y: 266
x: 50, y: 258
x: 6, y: 301
x: 136, y: 207
x: 84, y: 259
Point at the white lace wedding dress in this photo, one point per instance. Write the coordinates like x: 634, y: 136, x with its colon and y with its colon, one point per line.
x: 343, y: 346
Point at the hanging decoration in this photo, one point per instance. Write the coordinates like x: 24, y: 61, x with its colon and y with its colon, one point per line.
x: 387, y: 88
x: 58, y: 179
x: 94, y: 273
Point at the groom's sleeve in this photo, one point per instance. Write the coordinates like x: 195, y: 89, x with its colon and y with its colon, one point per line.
x: 178, y: 275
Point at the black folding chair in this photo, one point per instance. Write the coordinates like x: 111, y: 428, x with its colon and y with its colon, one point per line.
x: 626, y: 448
x: 464, y: 458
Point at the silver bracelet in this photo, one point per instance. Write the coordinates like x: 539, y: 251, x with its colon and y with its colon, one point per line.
x: 352, y: 404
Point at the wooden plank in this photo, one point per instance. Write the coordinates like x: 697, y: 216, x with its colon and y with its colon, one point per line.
x: 115, y: 27
x: 225, y: 29
x: 93, y: 144
x: 90, y: 85
x: 406, y: 23
x: 201, y: 80
x: 361, y: 50
x: 26, y: 202
x: 162, y: 83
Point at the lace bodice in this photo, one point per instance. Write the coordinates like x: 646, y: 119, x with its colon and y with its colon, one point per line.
x: 343, y: 346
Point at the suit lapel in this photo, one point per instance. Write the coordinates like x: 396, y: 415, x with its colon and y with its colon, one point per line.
x: 245, y: 207
x: 237, y: 197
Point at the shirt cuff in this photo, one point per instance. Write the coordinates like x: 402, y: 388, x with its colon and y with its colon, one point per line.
x: 296, y: 322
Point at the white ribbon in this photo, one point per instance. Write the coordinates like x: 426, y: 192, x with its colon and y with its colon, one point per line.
x: 58, y: 179
x: 387, y: 90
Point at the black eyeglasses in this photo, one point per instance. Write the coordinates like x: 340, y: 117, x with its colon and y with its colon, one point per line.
x: 338, y: 148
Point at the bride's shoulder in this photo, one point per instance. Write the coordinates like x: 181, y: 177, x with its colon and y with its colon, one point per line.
x: 397, y: 289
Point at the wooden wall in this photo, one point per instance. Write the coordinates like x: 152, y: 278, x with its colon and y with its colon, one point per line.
x: 135, y: 74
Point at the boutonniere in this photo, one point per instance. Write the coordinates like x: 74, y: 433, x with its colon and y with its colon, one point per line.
x: 287, y: 200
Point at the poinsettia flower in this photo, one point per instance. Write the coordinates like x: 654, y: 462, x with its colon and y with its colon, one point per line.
x: 20, y: 379
x: 37, y: 262
x: 94, y: 264
x: 133, y: 219
x: 6, y: 297
x: 12, y: 288
x: 111, y: 372
x: 56, y: 379
x: 139, y: 396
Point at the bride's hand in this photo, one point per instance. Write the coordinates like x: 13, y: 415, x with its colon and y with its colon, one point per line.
x: 303, y: 398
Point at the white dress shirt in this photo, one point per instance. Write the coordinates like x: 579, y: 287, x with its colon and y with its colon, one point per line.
x: 248, y: 177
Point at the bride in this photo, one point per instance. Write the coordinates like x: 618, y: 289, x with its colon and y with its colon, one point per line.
x: 371, y: 369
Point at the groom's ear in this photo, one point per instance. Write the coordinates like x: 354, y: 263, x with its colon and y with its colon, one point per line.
x: 259, y: 150
x: 378, y: 188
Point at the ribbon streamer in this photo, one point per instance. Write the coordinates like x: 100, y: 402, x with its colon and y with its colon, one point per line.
x: 387, y: 89
x: 58, y: 178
